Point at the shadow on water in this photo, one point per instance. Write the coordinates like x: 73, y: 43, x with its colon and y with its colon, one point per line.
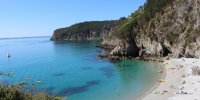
x: 59, y: 74
x: 86, y: 68
x: 78, y: 89
x: 107, y: 71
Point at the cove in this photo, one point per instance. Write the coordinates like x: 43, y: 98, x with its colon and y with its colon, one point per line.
x: 72, y: 69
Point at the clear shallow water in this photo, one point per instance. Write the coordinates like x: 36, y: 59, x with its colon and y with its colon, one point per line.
x: 72, y: 69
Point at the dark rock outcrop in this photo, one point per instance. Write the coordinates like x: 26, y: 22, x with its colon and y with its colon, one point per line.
x: 126, y: 48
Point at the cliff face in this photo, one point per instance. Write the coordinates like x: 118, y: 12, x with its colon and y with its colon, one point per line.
x: 172, y: 30
x: 89, y: 35
x: 83, y: 31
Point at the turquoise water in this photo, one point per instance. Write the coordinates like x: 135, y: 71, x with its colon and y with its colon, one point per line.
x: 73, y: 70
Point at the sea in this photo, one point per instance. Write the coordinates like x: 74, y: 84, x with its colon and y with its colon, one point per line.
x: 72, y: 70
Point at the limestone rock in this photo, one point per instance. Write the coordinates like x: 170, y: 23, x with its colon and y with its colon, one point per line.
x: 173, y: 32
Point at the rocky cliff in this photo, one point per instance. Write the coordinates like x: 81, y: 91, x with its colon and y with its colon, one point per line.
x: 160, y: 28
x: 83, y: 31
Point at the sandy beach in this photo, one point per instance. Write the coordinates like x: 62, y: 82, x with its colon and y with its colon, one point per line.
x: 180, y: 83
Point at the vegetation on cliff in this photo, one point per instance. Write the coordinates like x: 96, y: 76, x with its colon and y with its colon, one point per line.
x: 126, y: 29
x: 81, y: 31
x: 141, y: 17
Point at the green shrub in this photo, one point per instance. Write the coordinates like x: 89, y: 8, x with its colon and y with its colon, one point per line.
x: 126, y: 29
x: 13, y: 92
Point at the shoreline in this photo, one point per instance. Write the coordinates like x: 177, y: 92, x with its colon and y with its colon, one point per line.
x: 177, y: 72
x: 163, y: 90
x: 156, y: 85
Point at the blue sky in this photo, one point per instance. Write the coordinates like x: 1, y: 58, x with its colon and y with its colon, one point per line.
x: 25, y: 18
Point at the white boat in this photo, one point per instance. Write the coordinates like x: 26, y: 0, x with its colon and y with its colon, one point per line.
x: 8, y: 55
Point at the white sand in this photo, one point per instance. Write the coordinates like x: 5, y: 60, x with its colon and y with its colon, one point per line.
x: 180, y: 83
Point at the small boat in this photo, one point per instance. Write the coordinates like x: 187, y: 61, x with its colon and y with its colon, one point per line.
x: 38, y: 81
x: 27, y: 78
x: 8, y: 55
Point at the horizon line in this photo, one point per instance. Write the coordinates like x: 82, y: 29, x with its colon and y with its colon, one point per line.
x: 23, y: 37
